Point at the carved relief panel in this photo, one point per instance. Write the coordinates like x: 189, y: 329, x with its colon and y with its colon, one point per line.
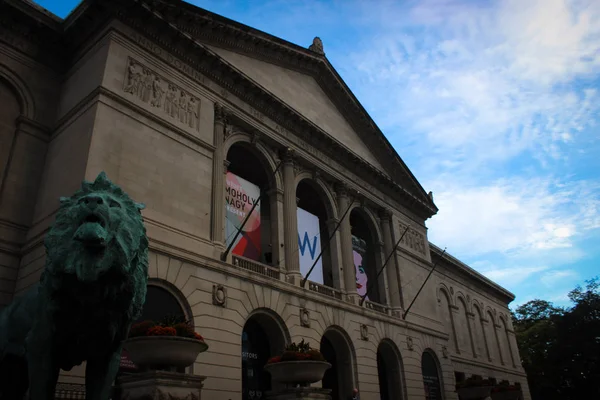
x: 413, y: 239
x: 166, y: 98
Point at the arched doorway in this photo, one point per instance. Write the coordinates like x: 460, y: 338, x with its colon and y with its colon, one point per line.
x: 337, y: 350
x: 264, y: 335
x: 365, y: 249
x: 390, y: 371
x: 248, y: 178
x: 315, y: 214
x: 431, y: 376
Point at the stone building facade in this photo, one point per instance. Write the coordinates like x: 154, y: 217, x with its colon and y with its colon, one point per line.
x: 167, y: 98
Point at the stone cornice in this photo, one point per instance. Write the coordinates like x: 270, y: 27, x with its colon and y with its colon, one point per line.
x: 30, y: 30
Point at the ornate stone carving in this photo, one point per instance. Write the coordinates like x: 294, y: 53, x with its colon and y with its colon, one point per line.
x: 409, y: 343
x: 444, y: 351
x: 413, y: 239
x: 364, y: 332
x: 148, y: 87
x: 317, y: 46
x: 220, y: 113
x: 219, y: 295
x: 305, y: 317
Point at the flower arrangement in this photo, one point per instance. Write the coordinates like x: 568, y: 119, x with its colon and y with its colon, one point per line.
x: 298, y: 352
x: 474, y: 381
x: 504, y: 386
x: 168, y: 326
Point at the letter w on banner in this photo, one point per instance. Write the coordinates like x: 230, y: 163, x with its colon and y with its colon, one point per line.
x: 309, y: 245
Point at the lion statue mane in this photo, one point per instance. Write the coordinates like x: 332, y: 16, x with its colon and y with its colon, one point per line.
x: 92, y: 288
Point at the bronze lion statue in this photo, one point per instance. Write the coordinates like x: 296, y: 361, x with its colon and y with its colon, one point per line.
x: 91, y: 290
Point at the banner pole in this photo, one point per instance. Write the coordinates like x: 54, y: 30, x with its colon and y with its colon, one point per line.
x: 326, y: 244
x: 423, y: 285
x: 362, y: 300
x: 226, y: 252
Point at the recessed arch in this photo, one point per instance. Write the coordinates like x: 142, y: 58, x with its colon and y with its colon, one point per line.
x: 316, y: 215
x: 481, y: 340
x: 367, y: 248
x: 252, y: 174
x: 432, y: 375
x: 175, y: 293
x: 336, y: 346
x: 390, y: 368
x: 21, y: 89
x: 264, y: 335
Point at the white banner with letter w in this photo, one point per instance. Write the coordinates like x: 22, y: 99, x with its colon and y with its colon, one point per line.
x: 309, y: 245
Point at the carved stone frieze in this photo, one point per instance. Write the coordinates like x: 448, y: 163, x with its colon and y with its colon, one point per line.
x: 172, y: 101
x: 219, y: 295
x: 413, y: 239
x: 409, y: 343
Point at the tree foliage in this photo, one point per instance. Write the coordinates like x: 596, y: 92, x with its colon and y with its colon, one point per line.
x: 560, y: 347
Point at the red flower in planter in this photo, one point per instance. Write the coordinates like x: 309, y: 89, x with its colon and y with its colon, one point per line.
x: 169, y: 326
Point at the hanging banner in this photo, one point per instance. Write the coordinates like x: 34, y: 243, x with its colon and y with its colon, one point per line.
x: 359, y: 251
x: 240, y: 195
x: 309, y: 245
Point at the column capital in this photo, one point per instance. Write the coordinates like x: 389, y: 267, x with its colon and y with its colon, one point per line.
x: 220, y: 114
x: 385, y: 214
x: 342, y: 189
x: 226, y: 164
x: 288, y: 155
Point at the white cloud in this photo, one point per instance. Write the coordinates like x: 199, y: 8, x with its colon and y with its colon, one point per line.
x: 484, y: 84
x: 516, y: 215
x: 510, y: 277
x: 551, y: 278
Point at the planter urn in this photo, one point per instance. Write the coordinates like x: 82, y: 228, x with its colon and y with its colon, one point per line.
x: 163, y: 352
x: 474, y: 392
x: 301, y: 373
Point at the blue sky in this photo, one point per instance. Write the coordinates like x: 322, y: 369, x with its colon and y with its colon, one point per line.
x: 494, y: 105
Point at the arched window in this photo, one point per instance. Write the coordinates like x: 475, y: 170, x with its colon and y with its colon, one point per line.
x: 431, y: 376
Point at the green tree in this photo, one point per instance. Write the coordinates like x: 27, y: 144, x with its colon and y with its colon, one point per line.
x: 560, y: 348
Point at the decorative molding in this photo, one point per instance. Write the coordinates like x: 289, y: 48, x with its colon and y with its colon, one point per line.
x: 220, y: 114
x: 364, y: 332
x: 409, y: 343
x: 305, y: 317
x: 413, y: 239
x: 219, y: 295
x: 150, y: 88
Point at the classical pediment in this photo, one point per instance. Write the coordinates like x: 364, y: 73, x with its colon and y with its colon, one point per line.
x: 302, y: 93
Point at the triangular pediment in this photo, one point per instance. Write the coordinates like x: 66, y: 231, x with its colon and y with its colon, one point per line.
x: 302, y: 93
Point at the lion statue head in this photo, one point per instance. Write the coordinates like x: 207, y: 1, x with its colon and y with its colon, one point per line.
x: 99, y: 231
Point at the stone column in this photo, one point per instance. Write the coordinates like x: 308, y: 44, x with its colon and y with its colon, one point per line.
x: 219, y: 171
x: 277, y: 232
x: 346, y: 244
x: 392, y: 269
x: 472, y: 331
x: 336, y: 259
x: 290, y: 222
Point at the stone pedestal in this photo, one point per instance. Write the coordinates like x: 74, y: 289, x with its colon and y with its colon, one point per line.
x: 158, y: 385
x: 299, y: 393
